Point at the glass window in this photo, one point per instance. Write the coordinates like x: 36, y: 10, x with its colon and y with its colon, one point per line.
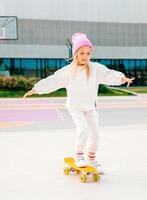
x: 132, y: 64
x: 29, y: 63
x: 6, y: 62
x: 144, y: 63
x: 58, y: 63
x: 63, y: 62
x: 105, y: 61
x: 17, y: 63
x: 141, y: 64
x: 125, y: 63
x: 51, y: 64
x: 138, y: 63
x: 38, y: 63
x: 112, y: 62
x: 95, y: 60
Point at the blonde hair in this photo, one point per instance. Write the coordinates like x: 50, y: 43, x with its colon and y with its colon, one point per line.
x: 74, y: 65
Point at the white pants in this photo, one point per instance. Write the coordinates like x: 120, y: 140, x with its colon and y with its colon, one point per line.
x: 87, y: 128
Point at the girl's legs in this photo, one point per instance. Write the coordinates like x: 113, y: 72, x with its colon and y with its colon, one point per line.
x: 81, y: 131
x: 92, y: 143
x: 81, y: 136
x: 85, y: 121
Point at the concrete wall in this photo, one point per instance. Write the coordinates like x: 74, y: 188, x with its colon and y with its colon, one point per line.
x: 117, y: 28
x: 47, y: 39
x: 80, y: 10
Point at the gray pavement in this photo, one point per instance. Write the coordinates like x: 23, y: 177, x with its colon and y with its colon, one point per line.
x: 32, y: 151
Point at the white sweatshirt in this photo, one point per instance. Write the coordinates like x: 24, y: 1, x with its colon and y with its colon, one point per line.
x: 81, y: 93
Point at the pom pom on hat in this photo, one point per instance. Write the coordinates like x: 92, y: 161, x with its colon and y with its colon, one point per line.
x: 79, y: 40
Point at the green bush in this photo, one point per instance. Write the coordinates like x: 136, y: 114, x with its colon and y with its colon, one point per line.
x: 103, y: 89
x: 16, y: 86
x: 17, y: 82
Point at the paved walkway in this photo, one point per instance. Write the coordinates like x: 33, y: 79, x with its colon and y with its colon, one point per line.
x: 31, y: 152
x: 33, y: 112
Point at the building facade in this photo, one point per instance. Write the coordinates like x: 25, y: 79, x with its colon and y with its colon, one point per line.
x: 44, y: 37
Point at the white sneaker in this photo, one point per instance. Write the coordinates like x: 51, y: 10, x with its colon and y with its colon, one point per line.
x: 80, y: 162
x: 95, y: 164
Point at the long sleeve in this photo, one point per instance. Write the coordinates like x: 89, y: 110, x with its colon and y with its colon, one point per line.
x: 52, y: 83
x: 108, y: 76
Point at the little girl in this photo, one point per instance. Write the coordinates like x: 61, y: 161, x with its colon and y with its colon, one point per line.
x: 81, y: 79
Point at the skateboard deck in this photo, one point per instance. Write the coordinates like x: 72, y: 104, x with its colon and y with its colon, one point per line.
x: 83, y: 171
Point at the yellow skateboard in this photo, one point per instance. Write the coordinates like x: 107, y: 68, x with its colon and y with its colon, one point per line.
x: 83, y: 171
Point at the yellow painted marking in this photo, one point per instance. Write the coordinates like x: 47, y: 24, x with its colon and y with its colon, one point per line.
x: 14, y: 124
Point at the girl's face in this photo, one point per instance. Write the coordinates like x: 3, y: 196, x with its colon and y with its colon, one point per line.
x: 84, y: 55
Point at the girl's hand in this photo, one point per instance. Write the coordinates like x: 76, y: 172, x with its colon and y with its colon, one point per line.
x: 127, y: 80
x: 29, y: 93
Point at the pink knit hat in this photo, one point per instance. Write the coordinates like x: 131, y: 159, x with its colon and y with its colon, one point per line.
x: 79, y: 40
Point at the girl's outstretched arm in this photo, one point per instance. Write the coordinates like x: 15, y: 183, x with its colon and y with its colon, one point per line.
x: 127, y: 80
x: 111, y: 77
x: 29, y: 93
x: 51, y: 83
